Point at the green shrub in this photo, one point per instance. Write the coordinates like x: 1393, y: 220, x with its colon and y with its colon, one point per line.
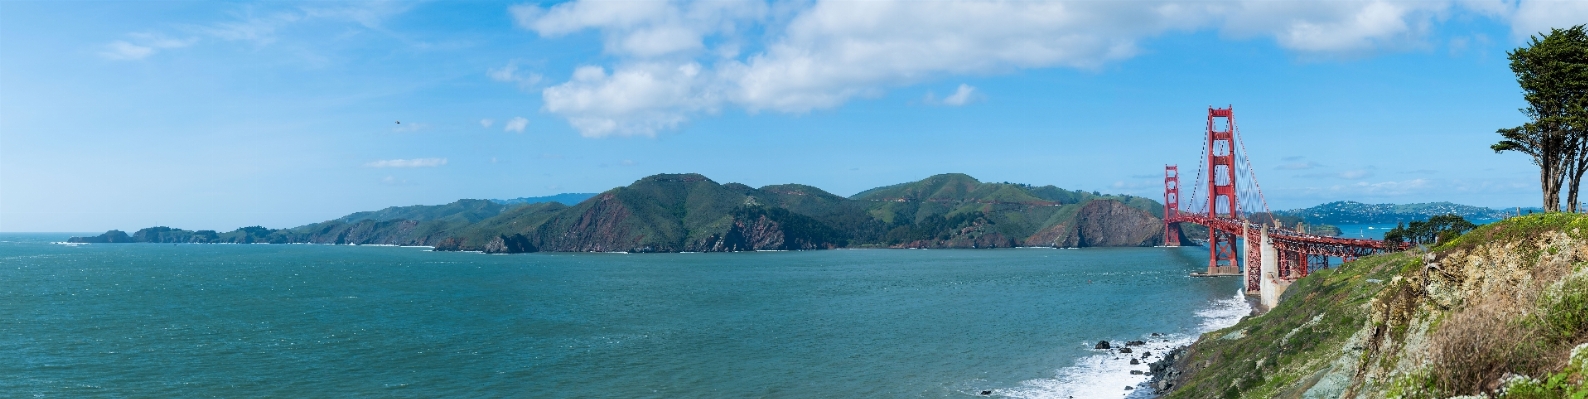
x: 1563, y: 313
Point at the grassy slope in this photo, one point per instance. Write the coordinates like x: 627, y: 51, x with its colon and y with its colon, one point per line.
x: 1014, y: 210
x: 466, y: 210
x: 1254, y: 359
x: 1400, y: 325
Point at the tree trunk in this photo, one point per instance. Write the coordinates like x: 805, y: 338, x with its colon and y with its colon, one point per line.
x: 1573, y: 186
x: 1579, y: 161
x: 1549, y: 179
x: 1550, y: 190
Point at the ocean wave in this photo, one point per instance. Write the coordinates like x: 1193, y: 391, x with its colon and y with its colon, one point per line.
x: 1107, y: 373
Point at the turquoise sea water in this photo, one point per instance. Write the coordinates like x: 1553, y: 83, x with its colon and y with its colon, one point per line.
x: 149, y: 320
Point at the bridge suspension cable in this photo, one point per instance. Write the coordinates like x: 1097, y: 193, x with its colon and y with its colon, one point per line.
x: 1196, y: 184
x: 1260, y: 202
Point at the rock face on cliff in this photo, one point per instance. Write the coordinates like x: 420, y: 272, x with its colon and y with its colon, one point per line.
x: 1105, y: 224
x: 1500, y: 312
x: 508, y: 244
x: 689, y: 212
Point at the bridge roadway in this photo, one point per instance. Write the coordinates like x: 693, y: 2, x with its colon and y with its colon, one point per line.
x: 1311, y: 244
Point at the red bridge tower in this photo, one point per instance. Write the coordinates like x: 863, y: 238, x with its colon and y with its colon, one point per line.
x: 1171, y: 205
x: 1221, y: 190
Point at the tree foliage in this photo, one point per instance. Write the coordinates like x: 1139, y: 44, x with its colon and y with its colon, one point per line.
x: 1437, y: 229
x: 1553, y: 73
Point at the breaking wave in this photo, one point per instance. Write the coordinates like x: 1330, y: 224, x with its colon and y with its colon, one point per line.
x: 1107, y: 373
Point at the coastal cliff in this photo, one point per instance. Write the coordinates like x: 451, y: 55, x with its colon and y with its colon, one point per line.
x: 692, y: 213
x: 1499, y: 312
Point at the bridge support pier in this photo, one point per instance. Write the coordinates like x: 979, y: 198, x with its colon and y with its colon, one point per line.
x: 1249, y: 254
x: 1270, y: 285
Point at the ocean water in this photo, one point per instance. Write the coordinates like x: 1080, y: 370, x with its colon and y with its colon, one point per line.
x: 148, y: 320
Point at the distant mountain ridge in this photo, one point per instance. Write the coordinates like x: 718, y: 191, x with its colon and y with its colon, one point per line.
x: 566, y: 198
x: 689, y: 212
x: 1351, y: 212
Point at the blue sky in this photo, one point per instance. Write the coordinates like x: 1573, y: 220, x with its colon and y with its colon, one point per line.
x: 208, y: 115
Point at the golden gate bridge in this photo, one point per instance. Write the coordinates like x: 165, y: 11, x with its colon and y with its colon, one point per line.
x: 1273, y: 255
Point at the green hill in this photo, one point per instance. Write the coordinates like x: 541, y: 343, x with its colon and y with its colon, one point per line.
x: 692, y: 213
x: 1351, y: 212
x: 467, y: 210
x: 566, y: 198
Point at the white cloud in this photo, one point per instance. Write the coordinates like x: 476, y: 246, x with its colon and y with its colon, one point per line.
x: 961, y: 96
x: 642, y: 28
x: 408, y: 163
x: 147, y: 44
x: 637, y: 100
x: 369, y: 14
x: 1386, y: 188
x: 517, y: 124
x: 486, y: 123
x: 1336, y: 27
x: 510, y: 74
x: 120, y: 50
x: 258, y: 27
x: 410, y: 127
x: 1535, y: 17
x: 262, y: 28
x: 674, y: 61
x: 965, y: 94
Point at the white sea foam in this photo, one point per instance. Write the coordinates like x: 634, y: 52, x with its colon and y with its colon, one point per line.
x: 1106, y: 373
x: 1224, y: 312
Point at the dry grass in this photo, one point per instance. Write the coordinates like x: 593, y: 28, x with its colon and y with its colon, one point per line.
x: 1528, y: 331
x: 1477, y: 346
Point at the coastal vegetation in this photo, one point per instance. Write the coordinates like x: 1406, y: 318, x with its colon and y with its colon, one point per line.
x: 1552, y: 70
x: 1500, y: 311
x: 1432, y: 231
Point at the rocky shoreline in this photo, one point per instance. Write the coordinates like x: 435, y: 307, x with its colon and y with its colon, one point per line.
x: 1165, y: 370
